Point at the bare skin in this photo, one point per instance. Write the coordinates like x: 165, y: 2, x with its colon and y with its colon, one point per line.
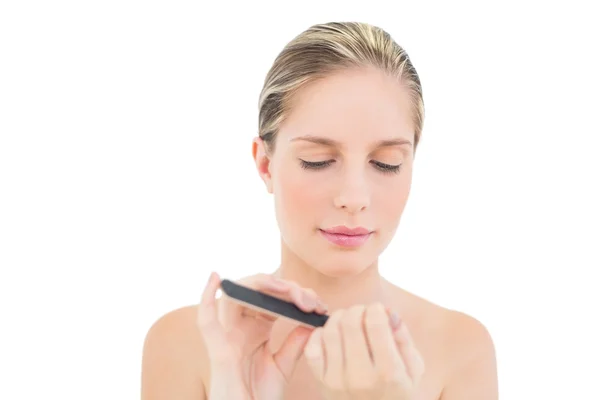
x: 343, y: 156
x: 457, y: 351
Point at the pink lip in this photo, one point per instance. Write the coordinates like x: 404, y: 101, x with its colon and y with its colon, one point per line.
x: 346, y: 237
x: 344, y: 230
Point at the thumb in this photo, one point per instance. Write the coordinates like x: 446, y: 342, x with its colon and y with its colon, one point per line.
x: 291, y: 350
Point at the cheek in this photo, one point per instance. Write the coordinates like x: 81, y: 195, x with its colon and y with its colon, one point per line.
x: 391, y: 200
x: 300, y: 195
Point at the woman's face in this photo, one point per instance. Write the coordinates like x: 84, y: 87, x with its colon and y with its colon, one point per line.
x: 343, y: 157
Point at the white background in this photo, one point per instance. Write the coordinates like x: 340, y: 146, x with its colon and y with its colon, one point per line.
x: 126, y: 175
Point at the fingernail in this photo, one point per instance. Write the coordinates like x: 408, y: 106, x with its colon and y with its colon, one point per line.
x: 395, y: 320
x: 323, y: 306
x: 308, y: 301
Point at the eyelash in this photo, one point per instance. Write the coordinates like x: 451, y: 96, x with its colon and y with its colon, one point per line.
x: 384, y: 168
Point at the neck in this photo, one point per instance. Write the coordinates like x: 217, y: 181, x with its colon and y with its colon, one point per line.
x: 337, y: 292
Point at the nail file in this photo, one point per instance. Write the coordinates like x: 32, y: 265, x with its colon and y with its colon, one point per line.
x: 268, y: 304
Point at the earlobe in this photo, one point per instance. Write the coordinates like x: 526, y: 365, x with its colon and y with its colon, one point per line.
x: 262, y: 162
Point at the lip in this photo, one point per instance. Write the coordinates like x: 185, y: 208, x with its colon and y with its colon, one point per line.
x: 344, y: 230
x: 346, y: 237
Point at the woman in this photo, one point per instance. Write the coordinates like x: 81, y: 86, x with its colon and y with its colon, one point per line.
x: 341, y: 114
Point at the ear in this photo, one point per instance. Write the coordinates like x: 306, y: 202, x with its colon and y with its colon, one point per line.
x: 262, y: 161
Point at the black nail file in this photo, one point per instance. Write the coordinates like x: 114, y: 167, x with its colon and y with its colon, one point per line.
x: 271, y: 305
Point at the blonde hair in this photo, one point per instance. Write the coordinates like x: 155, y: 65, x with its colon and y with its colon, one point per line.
x: 323, y: 49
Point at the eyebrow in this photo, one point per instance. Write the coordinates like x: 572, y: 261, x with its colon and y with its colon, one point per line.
x: 334, y: 143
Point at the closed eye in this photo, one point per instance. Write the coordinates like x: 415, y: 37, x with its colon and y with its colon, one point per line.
x: 387, y: 168
x: 315, y: 165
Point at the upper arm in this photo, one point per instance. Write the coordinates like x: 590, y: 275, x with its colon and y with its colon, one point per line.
x: 171, y: 358
x: 474, y: 373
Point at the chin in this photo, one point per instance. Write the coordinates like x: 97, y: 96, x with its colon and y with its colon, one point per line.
x: 341, y: 264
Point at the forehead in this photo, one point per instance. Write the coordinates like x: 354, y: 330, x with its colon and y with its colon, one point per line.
x: 353, y: 107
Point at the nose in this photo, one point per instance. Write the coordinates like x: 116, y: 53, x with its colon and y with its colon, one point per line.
x: 354, y: 195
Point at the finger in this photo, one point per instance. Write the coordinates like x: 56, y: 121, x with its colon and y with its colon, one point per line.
x: 359, y: 366
x: 321, y: 306
x: 270, y: 283
x: 306, y: 299
x: 207, y: 319
x: 285, y: 290
x: 334, y: 353
x: 413, y: 360
x: 314, y: 353
x: 386, y: 356
x: 291, y: 350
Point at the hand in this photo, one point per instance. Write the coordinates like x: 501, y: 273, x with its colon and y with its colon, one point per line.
x: 364, y: 353
x: 237, y: 340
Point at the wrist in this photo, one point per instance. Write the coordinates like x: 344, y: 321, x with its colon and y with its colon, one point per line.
x: 228, y: 385
x: 223, y: 390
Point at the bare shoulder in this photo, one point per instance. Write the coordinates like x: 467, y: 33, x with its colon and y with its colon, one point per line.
x: 471, y: 355
x: 460, y: 332
x: 457, y: 348
x: 173, y: 354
